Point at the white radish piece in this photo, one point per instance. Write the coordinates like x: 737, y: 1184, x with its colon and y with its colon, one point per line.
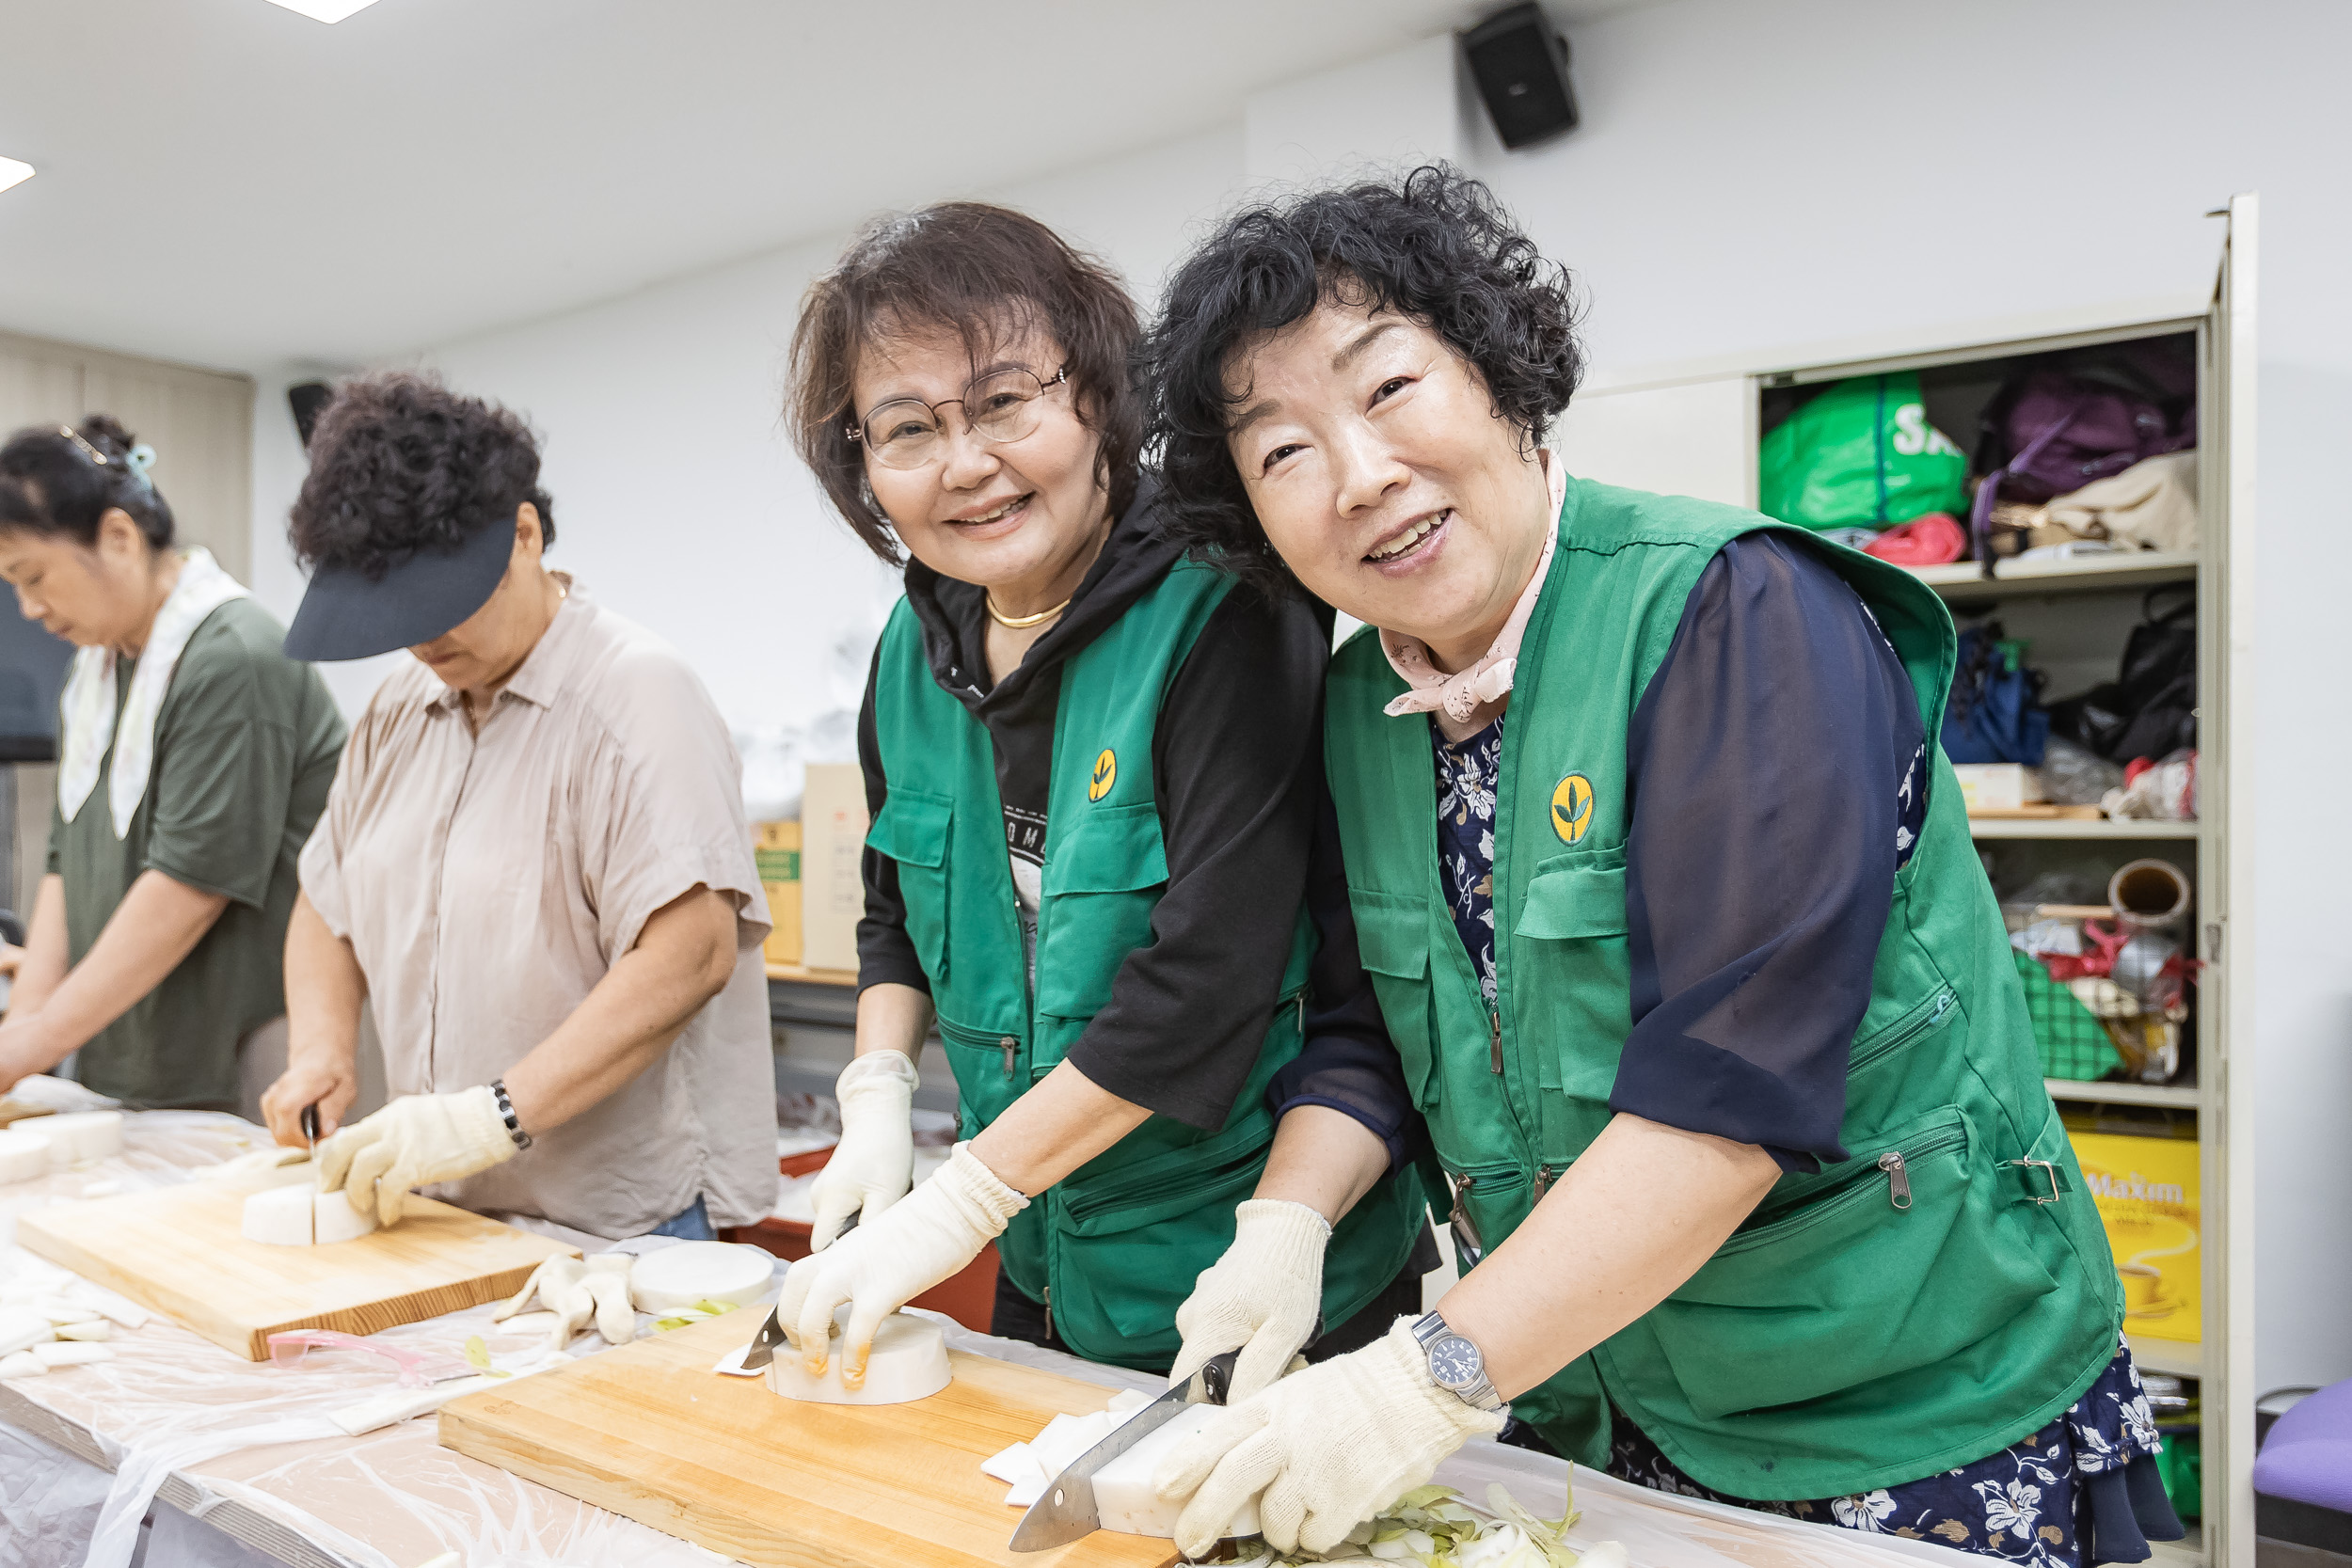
x: 65, y: 1354
x: 1123, y: 1494
x: 21, y: 1328
x: 86, y: 1332
x: 23, y: 1363
x: 909, y: 1362
x: 281, y: 1216
x: 679, y: 1277
x: 24, y: 1155
x: 81, y: 1136
x: 335, y: 1220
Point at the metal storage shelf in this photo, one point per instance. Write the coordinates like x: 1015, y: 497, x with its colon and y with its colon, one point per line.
x: 2179, y: 1097
x: 2080, y: 827
x: 1963, y: 581
x: 2173, y: 1357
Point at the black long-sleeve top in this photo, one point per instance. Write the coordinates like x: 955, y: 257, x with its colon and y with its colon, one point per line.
x: 1237, y: 771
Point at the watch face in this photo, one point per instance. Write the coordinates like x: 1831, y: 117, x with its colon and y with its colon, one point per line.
x: 1454, y: 1363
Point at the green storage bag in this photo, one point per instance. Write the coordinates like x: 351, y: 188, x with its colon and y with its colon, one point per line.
x: 1861, y: 455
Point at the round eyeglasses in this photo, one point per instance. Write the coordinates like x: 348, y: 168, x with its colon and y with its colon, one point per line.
x: 1002, y: 405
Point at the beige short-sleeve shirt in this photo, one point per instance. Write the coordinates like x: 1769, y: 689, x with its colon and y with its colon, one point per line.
x: 488, y: 881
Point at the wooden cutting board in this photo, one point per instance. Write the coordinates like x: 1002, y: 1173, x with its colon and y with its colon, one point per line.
x: 651, y: 1431
x: 180, y: 1251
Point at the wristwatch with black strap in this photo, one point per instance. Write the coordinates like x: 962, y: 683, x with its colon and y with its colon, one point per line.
x: 1455, y: 1364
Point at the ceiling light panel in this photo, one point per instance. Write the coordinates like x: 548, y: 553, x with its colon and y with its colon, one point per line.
x: 324, y: 10
x: 13, y: 172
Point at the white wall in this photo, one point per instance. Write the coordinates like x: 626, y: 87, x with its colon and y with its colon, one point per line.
x: 1748, y: 176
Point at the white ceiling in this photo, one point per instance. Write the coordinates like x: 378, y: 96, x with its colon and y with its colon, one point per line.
x: 229, y: 183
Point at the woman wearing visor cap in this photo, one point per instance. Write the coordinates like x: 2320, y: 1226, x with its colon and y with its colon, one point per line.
x: 535, y: 862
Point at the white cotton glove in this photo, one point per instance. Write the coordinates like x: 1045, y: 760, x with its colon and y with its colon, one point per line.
x: 887, y: 1261
x: 606, y: 1285
x: 417, y: 1139
x: 1261, y: 1298
x: 1323, y: 1451
x: 874, y: 1163
x: 558, y: 1284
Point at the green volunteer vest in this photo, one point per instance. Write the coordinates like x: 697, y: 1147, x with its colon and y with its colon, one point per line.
x: 1843, y: 1339
x: 1113, y: 1249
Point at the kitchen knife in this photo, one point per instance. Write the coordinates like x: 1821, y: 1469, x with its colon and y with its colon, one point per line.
x: 1066, y: 1512
x: 311, y: 1129
x: 762, y: 1349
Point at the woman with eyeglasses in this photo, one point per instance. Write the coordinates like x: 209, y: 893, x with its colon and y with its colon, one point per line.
x: 1094, y: 861
x: 193, y: 759
x: 1674, y: 917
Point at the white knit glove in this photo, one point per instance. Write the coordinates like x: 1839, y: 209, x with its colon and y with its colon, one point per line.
x: 557, y: 1283
x: 1323, y: 1450
x: 874, y: 1163
x: 606, y: 1285
x: 1261, y: 1298
x: 417, y: 1139
x: 885, y: 1263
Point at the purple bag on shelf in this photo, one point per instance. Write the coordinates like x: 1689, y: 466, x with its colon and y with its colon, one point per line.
x: 2057, y: 428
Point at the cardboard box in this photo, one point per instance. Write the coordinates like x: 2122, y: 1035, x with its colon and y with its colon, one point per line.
x: 2146, y: 1190
x: 833, y: 840
x: 1998, y: 785
x: 776, y: 846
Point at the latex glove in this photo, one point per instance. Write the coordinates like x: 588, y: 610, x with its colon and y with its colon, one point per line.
x: 874, y: 1163
x: 418, y: 1138
x: 606, y: 1285
x: 1262, y: 1298
x: 557, y: 1283
x: 1323, y: 1450
x: 885, y: 1263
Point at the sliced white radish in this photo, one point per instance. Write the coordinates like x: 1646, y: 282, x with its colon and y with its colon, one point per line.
x: 21, y: 1328
x: 679, y: 1277
x: 281, y: 1216
x: 88, y: 1331
x: 336, y: 1220
x: 909, y: 1362
x: 24, y: 1155
x: 65, y: 1354
x: 1125, y: 1498
x: 23, y: 1363
x: 81, y: 1136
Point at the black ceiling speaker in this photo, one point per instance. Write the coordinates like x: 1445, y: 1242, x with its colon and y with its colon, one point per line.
x: 306, y: 399
x: 1521, y: 63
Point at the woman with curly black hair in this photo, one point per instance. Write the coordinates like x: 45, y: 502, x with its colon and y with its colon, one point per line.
x: 535, y: 862
x: 1675, y: 919
x: 193, y: 759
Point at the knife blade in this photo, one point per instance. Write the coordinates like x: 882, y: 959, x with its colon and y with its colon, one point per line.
x: 1067, y: 1511
x: 311, y: 1129
x: 762, y: 1349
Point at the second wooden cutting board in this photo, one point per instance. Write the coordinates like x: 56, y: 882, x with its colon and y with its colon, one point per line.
x: 651, y: 1431
x: 183, y: 1252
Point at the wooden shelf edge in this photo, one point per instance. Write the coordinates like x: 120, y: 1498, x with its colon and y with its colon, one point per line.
x: 1965, y: 580
x: 2172, y: 1357
x: 813, y: 976
x: 2078, y: 827
x: 2179, y: 1097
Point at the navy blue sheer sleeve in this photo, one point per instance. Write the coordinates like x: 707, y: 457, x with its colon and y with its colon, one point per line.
x: 1348, y: 1062
x: 1775, y: 766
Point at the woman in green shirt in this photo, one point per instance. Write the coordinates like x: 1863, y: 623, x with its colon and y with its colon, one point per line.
x: 193, y: 759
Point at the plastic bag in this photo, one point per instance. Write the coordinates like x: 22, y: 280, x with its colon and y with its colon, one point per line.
x: 1861, y: 455
x: 2075, y: 776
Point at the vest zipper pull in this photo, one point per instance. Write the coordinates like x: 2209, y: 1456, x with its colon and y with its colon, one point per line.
x: 1496, y: 1059
x: 1008, y: 1045
x: 1467, y: 1241
x: 1898, y: 1178
x: 1543, y: 1182
x: 1049, y: 1314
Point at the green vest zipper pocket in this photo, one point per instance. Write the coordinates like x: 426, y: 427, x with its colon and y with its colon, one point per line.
x: 987, y: 1065
x: 913, y: 830
x: 1392, y: 941
x: 1896, y: 1260
x: 1483, y: 1205
x: 1924, y: 1018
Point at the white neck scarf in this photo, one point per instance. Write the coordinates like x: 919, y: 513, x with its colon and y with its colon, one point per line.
x: 87, y: 706
x: 1452, y: 699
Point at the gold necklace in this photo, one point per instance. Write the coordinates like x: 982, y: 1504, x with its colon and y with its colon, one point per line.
x: 1021, y: 623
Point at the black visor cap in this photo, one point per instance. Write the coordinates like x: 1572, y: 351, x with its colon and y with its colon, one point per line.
x: 347, y: 614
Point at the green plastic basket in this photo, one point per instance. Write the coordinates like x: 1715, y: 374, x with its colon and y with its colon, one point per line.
x: 2073, y: 1042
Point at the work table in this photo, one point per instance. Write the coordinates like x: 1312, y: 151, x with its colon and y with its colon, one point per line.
x: 175, y: 1407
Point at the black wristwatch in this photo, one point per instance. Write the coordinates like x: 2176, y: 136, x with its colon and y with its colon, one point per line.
x: 1455, y: 1364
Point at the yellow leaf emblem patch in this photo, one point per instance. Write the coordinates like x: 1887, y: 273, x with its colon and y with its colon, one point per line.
x: 1572, y: 807
x: 1106, y: 775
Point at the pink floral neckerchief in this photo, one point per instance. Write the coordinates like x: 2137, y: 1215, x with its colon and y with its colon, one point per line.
x: 1455, y: 698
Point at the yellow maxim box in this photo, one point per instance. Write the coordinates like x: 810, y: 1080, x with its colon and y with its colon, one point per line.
x: 777, y: 850
x: 2146, y: 1190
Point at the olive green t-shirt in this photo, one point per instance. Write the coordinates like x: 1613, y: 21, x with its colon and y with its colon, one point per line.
x: 246, y: 746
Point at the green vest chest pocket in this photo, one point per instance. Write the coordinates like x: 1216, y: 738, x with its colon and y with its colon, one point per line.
x: 1571, y: 933
x: 914, y: 830
x: 1392, y: 937
x: 1899, y: 1259
x: 1100, y: 885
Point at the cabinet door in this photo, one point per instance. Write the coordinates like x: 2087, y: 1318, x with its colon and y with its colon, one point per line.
x: 2225, y: 881
x: 1690, y: 439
